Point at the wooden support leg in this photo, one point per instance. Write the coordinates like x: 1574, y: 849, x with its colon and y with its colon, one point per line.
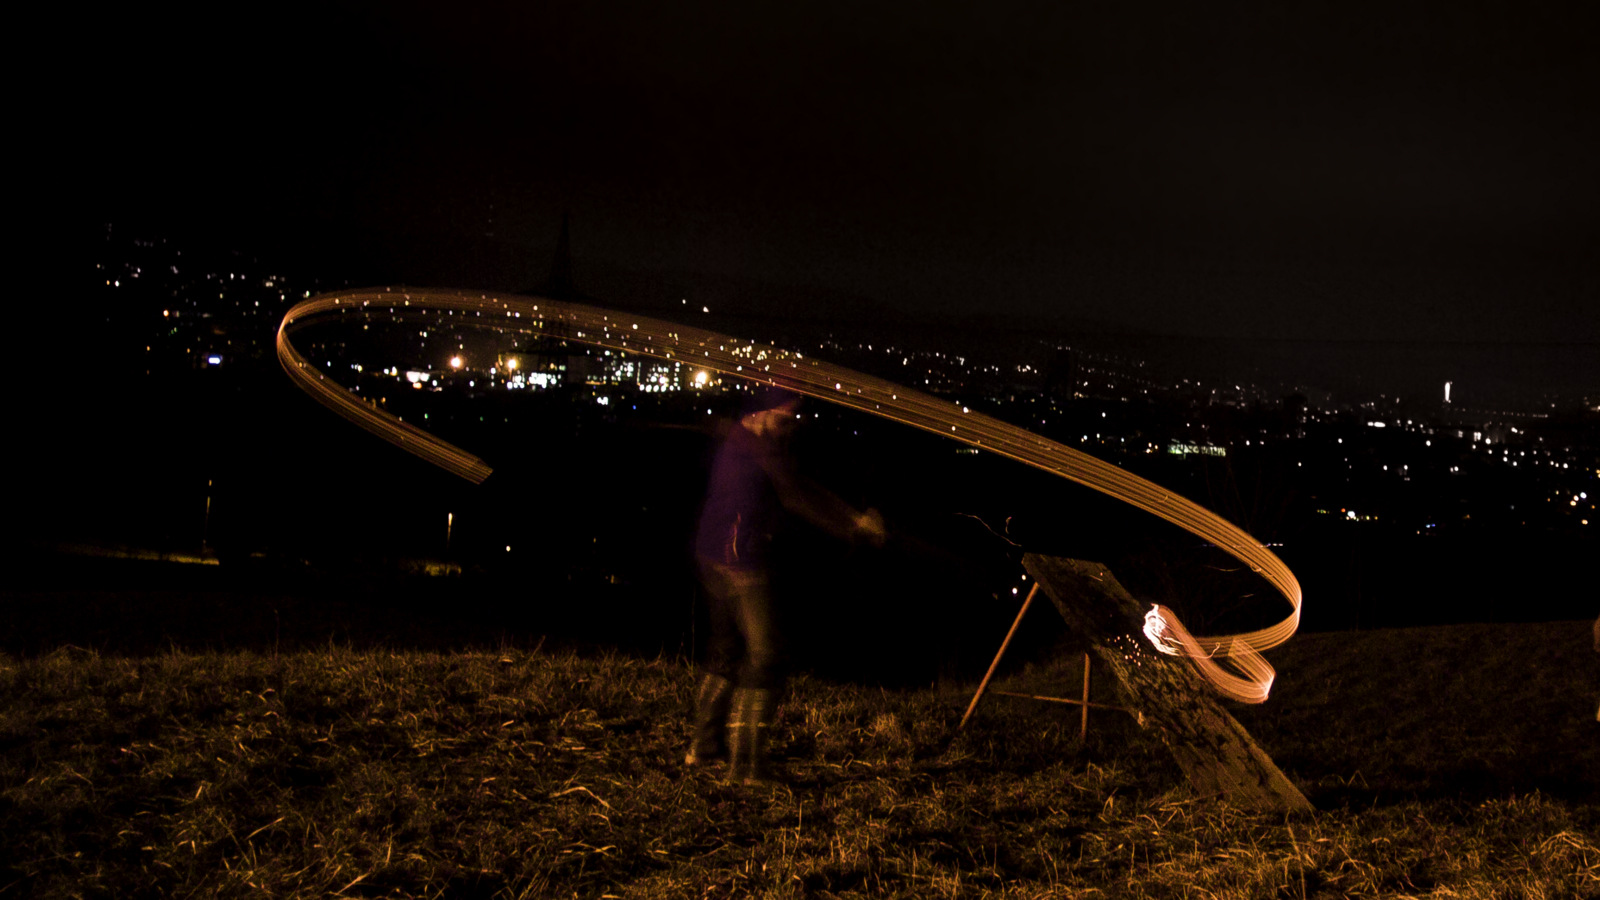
x: 1214, y: 751
x: 984, y: 684
x: 1083, y: 727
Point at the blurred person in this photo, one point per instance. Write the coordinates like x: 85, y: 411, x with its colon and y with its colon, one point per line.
x: 753, y: 482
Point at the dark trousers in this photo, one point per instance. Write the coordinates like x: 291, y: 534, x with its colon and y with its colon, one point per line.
x: 744, y: 644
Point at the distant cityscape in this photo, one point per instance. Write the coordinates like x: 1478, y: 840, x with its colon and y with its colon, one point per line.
x: 1424, y: 467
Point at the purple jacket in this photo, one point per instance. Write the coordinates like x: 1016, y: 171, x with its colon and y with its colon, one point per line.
x: 742, y: 501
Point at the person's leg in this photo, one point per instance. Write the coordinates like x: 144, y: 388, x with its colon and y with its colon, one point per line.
x: 759, y: 678
x: 759, y: 668
x: 714, y: 688
x: 712, y: 704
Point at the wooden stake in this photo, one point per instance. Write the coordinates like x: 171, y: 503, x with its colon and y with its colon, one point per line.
x: 982, y: 685
x: 1070, y: 701
x: 1083, y: 728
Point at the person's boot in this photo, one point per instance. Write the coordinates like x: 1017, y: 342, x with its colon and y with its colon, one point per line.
x: 712, y: 697
x: 753, y: 710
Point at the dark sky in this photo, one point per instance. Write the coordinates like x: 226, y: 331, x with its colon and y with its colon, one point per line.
x: 1257, y: 170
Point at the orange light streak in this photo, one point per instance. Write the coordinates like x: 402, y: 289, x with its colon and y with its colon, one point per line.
x: 765, y: 364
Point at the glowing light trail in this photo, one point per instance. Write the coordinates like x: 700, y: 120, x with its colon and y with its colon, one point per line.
x: 1250, y: 682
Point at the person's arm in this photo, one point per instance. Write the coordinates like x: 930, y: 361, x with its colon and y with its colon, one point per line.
x: 821, y: 507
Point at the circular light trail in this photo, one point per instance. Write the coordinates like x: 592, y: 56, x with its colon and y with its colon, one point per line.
x: 1251, y: 677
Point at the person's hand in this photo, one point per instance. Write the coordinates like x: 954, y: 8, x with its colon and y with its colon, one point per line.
x: 870, y: 527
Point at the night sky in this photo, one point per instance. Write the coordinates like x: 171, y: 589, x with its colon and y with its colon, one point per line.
x: 1286, y: 171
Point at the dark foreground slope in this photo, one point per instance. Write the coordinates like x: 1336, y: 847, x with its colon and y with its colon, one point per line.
x: 1458, y: 761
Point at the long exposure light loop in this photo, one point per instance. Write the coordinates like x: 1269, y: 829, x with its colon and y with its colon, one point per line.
x: 593, y: 326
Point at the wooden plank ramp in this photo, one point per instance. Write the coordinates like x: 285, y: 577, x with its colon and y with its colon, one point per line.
x: 1219, y: 758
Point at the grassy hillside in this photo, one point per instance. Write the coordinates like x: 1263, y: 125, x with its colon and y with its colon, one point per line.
x: 1455, y: 761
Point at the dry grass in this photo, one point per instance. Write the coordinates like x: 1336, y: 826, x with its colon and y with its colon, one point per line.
x: 557, y: 775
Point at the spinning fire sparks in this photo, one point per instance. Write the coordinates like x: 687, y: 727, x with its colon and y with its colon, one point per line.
x: 710, y: 352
